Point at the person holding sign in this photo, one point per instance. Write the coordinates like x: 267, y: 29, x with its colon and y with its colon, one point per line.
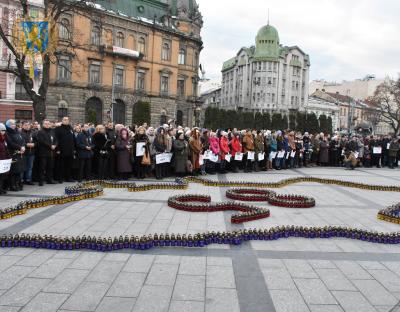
x: 160, y: 146
x: 376, y: 147
x: 196, y: 148
x: 224, y: 150
x: 140, y: 146
x: 181, y: 154
x: 46, y: 148
x: 272, y: 147
x: 123, y: 147
x: 259, y: 149
x: 3, y: 156
x: 248, y: 146
x: 236, y: 147
x: 214, y: 148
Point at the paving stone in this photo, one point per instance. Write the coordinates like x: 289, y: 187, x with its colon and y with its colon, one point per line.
x: 13, y: 275
x: 116, y: 304
x: 192, y: 266
x: 9, y: 309
x: 67, y: 254
x: 86, y: 261
x: 188, y: 287
x: 386, y: 309
x: 186, y: 306
x: 67, y: 281
x: 219, y: 261
x: 271, y: 263
x: 352, y: 270
x: 353, y: 301
x: 371, y: 265
x: 299, y: 268
x: 221, y: 300
x: 105, y: 272
x: 389, y: 280
x: 314, y: 291
x: 45, y: 302
x: 322, y: 264
x: 116, y: 256
x: 36, y: 258
x: 220, y: 277
x: 86, y: 297
x: 167, y: 259
x: 139, y: 263
x: 334, y: 279
x: 23, y: 292
x: 153, y: 299
x: 127, y: 285
x: 51, y: 268
x: 288, y: 301
x: 375, y: 292
x: 22, y: 252
x: 162, y: 274
x: 325, y: 308
x: 278, y: 278
x: 7, y: 261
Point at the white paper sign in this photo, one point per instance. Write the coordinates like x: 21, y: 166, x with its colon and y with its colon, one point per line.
x: 239, y: 156
x: 163, y: 158
x: 287, y: 155
x: 201, y: 160
x: 214, y: 158
x: 272, y: 155
x: 388, y: 146
x: 228, y: 157
x: 281, y: 154
x: 260, y: 156
x: 293, y: 154
x: 250, y: 155
x: 140, y: 149
x: 5, y: 165
x: 356, y: 154
x: 377, y: 150
x: 207, y: 154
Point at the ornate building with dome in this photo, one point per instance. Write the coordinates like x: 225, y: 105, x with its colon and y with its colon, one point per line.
x: 267, y: 77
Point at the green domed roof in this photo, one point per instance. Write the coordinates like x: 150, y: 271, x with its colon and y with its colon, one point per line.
x: 268, y: 32
x: 267, y: 43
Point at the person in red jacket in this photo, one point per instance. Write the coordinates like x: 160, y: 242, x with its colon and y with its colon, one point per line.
x: 236, y: 147
x: 3, y: 155
x: 214, y: 147
x: 224, y: 150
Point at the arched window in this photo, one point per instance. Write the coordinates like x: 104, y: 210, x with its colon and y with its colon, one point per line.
x: 142, y: 45
x: 182, y: 56
x: 119, y: 39
x: 95, y: 38
x: 165, y: 51
x: 64, y: 29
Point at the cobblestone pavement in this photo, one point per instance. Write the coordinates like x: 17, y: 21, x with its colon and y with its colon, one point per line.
x: 292, y: 275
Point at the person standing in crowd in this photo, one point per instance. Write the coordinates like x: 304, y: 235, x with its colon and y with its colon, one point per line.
x: 123, y: 147
x: 259, y: 149
x: 248, y: 146
x: 273, y: 148
x: 206, y: 146
x: 66, y: 149
x: 84, y: 146
x: 181, y: 154
x: 236, y: 147
x: 47, y: 145
x: 394, y: 147
x: 224, y: 150
x: 323, y: 150
x: 3, y: 155
x: 29, y: 155
x: 140, y: 140
x: 214, y: 148
x: 195, y: 150
x: 101, y: 151
x: 160, y: 146
x: 16, y: 149
x: 112, y: 136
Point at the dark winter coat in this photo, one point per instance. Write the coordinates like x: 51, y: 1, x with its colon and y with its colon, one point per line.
x: 84, y: 140
x: 45, y: 139
x: 65, y: 138
x: 29, y: 137
x: 14, y: 144
x: 123, y: 156
x: 181, y: 155
x: 3, y: 148
x: 323, y: 152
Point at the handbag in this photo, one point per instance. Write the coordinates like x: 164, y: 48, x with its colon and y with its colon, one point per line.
x: 146, y: 161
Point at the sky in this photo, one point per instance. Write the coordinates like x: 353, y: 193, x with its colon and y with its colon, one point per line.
x: 345, y: 39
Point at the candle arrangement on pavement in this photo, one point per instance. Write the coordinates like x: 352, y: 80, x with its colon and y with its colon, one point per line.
x: 390, y: 214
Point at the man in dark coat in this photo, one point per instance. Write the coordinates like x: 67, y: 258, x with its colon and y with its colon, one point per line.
x: 112, y: 136
x: 29, y: 155
x: 16, y: 149
x: 47, y: 145
x: 84, y: 146
x: 66, y: 149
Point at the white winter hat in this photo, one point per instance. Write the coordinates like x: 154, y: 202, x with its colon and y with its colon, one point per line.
x: 2, y: 127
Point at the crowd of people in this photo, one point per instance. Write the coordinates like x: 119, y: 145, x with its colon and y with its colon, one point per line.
x: 57, y: 152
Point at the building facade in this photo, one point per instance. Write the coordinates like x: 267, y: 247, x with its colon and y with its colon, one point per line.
x: 124, y: 52
x: 266, y: 77
x: 321, y: 103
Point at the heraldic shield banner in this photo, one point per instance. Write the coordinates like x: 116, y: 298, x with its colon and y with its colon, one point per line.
x: 36, y: 36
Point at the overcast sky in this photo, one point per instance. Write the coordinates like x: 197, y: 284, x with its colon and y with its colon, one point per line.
x: 346, y: 39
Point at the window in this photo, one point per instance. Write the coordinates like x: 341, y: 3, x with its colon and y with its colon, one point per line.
x: 95, y: 73
x: 119, y: 39
x: 119, y: 77
x: 33, y: 12
x: 64, y: 68
x: 181, y: 87
x: 141, y: 80
x: 62, y: 112
x: 63, y: 29
x: 20, y: 92
x: 142, y: 45
x: 165, y: 53
x: 95, y: 37
x: 273, y: 97
x: 292, y: 100
x: 21, y: 114
x: 269, y: 66
x: 182, y: 57
x: 164, y: 84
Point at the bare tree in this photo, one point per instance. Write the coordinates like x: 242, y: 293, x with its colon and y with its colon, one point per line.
x: 53, y: 10
x: 387, y: 101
